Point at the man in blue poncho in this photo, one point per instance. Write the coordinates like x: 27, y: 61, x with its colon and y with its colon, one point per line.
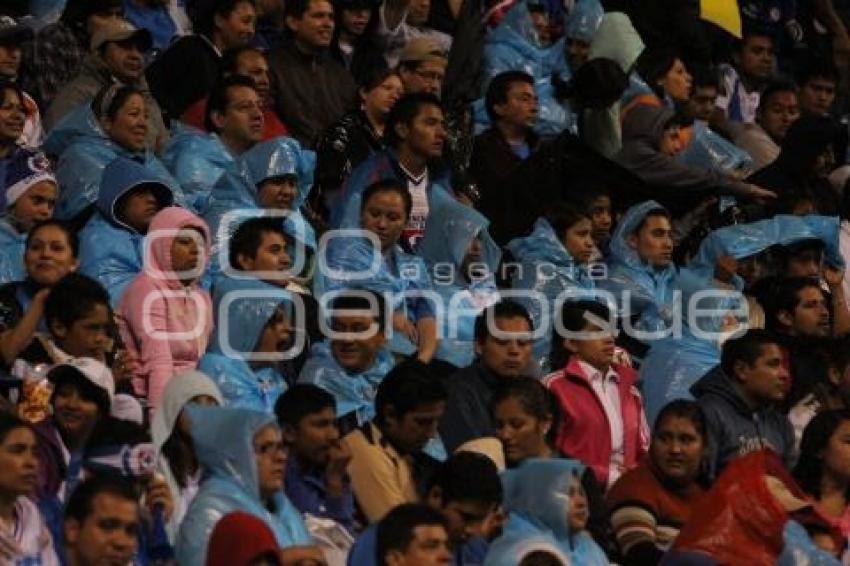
x: 353, y: 361
x: 246, y: 360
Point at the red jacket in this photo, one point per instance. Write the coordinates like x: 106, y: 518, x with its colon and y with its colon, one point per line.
x: 584, y: 432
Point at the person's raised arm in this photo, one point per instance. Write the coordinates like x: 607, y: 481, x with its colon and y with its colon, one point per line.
x: 14, y: 340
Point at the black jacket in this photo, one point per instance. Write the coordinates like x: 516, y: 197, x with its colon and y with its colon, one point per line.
x: 467, y: 413
x: 183, y: 74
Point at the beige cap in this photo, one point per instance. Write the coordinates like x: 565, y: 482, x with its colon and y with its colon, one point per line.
x: 421, y: 49
x: 121, y: 30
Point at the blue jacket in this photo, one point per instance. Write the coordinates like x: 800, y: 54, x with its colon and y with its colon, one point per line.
x: 537, y: 505
x: 84, y: 152
x: 236, y: 190
x: 450, y: 231
x: 197, y: 160
x: 542, y: 248
x: 584, y: 20
x: 110, y: 250
x: 513, y: 46
x: 345, y: 212
x: 353, y: 392
x: 224, y: 443
x: 239, y: 324
x: 12, y: 246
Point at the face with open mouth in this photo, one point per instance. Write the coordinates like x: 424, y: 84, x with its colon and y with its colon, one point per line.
x: 677, y: 448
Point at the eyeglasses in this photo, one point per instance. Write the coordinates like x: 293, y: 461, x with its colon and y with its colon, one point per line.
x: 431, y: 76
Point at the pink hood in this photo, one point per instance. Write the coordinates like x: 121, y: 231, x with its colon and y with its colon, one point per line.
x: 161, y: 233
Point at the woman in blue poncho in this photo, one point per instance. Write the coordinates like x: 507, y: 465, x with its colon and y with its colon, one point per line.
x: 554, y: 260
x: 379, y: 264
x: 91, y: 137
x: 545, y: 502
x: 243, y: 457
x: 462, y: 259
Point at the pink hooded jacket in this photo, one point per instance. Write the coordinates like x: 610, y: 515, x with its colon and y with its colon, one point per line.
x: 166, y: 325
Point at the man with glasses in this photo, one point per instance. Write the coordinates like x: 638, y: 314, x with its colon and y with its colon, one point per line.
x: 235, y: 114
x: 422, y: 66
x: 117, y: 56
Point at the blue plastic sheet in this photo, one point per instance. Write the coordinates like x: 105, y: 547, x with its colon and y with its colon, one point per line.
x: 800, y: 550
x: 12, y: 245
x: 584, y: 20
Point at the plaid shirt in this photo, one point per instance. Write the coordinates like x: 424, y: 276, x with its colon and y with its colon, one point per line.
x: 50, y: 61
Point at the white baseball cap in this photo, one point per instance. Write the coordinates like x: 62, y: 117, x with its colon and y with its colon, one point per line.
x: 92, y: 370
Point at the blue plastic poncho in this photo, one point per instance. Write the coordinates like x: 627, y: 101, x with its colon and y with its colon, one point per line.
x: 349, y: 264
x: 12, y: 246
x: 84, y: 152
x: 239, y: 326
x: 673, y: 365
x: 110, y: 250
x: 237, y: 189
x: 450, y: 231
x: 584, y: 20
x: 652, y: 290
x: 537, y: 504
x: 197, y: 160
x: 354, y: 393
x: 800, y: 550
x: 708, y: 150
x: 513, y: 46
x: 547, y: 267
x: 223, y: 439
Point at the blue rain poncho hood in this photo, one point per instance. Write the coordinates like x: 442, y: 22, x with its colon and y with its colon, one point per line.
x: 236, y: 192
x: 197, y: 160
x: 121, y: 176
x: 584, y: 20
x: 239, y: 326
x: 801, y: 550
x: 513, y: 46
x: 537, y: 502
x: 564, y: 275
x: 354, y: 393
x: 448, y: 235
x: 651, y: 289
x: 84, y: 152
x: 356, y: 263
x: 224, y: 443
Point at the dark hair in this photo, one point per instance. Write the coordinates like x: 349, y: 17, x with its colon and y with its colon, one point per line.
x: 301, y: 400
x: 505, y: 308
x: 784, y: 296
x: 497, y: 90
x: 71, y: 235
x: 776, y: 86
x: 375, y: 77
x: 659, y: 212
x: 407, y: 386
x: 248, y: 237
x: 74, y: 297
x: 81, y: 502
x: 746, y: 348
x: 653, y: 64
x: 87, y: 390
x: 220, y: 97
x: 202, y: 14
x: 5, y: 85
x: 9, y: 422
x: 359, y: 302
x: 540, y: 558
x: 111, y: 99
x: 683, y: 409
x: 297, y: 8
x: 705, y: 76
x: 469, y: 477
x: 562, y: 216
x: 535, y: 399
x: 388, y: 186
x: 113, y: 432
x: 405, y: 112
x: 753, y: 30
x: 230, y: 58
x: 573, y: 318
x: 395, y: 531
x: 817, y: 68
x: 76, y: 13
x: 809, y: 469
